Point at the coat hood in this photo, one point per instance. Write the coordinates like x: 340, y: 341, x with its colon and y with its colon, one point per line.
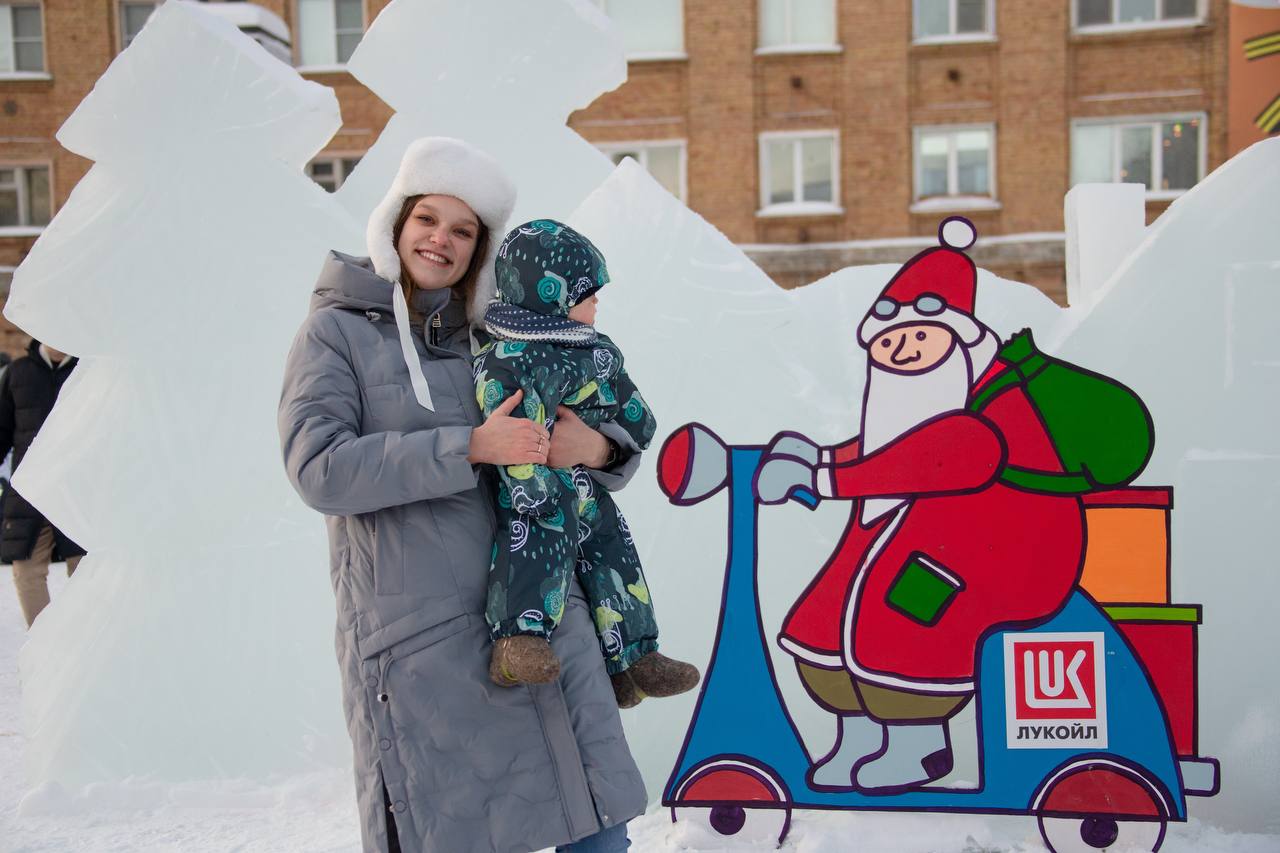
x: 347, y: 281
x: 351, y: 283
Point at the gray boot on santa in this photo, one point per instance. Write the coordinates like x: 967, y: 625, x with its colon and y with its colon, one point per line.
x: 912, y: 756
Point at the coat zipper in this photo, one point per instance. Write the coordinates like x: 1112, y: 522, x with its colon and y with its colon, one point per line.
x: 435, y: 330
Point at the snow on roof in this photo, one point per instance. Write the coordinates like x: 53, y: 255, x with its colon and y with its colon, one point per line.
x: 251, y: 17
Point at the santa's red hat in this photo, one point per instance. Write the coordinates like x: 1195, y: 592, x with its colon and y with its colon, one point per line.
x: 936, y: 286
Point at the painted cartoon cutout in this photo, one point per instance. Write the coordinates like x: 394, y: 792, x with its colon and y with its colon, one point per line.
x: 982, y: 470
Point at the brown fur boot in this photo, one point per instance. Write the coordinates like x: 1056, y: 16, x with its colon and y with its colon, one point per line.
x: 522, y: 659
x: 625, y: 690
x: 657, y: 675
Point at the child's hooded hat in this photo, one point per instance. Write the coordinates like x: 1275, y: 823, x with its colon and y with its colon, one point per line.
x: 543, y: 269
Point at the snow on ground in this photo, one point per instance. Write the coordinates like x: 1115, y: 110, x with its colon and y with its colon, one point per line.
x: 316, y: 813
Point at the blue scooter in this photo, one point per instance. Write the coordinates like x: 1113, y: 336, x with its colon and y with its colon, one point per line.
x: 742, y: 768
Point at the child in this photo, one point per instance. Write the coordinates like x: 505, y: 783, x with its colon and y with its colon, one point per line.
x: 553, y: 523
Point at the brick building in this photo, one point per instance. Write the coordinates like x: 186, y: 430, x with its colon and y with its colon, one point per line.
x: 815, y: 133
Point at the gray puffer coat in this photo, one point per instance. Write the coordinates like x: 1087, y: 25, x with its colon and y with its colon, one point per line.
x: 469, y: 767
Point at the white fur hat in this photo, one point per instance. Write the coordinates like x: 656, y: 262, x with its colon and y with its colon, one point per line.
x: 441, y: 165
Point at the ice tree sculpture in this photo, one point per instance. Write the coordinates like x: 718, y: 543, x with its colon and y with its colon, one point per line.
x: 193, y: 641
x: 505, y: 77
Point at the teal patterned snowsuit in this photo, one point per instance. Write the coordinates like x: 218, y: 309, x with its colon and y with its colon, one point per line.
x: 555, y: 522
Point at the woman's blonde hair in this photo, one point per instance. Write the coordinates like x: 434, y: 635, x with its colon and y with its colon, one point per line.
x: 468, y: 280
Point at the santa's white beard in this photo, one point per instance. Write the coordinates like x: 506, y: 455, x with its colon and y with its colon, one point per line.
x: 896, y: 403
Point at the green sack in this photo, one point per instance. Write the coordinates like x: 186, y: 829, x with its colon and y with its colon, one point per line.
x: 1101, y: 430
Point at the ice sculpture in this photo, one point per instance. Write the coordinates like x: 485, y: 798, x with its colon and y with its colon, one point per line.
x: 1190, y: 318
x: 508, y: 88
x: 195, y: 639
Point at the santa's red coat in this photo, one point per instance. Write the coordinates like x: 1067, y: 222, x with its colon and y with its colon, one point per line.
x: 1016, y: 555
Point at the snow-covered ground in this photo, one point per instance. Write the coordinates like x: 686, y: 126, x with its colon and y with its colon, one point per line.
x: 316, y: 813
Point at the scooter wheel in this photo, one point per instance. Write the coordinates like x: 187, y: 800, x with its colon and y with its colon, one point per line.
x: 1101, y: 832
x: 706, y: 827
x: 1100, y: 803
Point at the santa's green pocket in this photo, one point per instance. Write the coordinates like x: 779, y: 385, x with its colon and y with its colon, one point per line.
x: 923, y: 590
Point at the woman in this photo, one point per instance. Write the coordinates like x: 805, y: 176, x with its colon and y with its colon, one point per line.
x: 381, y: 432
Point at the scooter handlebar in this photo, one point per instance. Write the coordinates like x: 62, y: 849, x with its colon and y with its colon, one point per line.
x: 693, y: 465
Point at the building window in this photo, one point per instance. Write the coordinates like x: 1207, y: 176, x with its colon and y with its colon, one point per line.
x: 331, y: 172
x: 328, y: 31
x: 799, y: 172
x: 1165, y: 154
x: 132, y: 18
x: 955, y: 162
x: 25, y: 200
x: 1131, y: 13
x: 651, y: 29
x: 797, y: 24
x: 21, y: 38
x: 664, y: 160
x: 946, y: 20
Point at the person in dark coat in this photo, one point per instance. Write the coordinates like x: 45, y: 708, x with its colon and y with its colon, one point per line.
x: 27, y: 393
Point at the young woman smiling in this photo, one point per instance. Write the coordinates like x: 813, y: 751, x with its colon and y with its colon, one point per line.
x: 381, y: 432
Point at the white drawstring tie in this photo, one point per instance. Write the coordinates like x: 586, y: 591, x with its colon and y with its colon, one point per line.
x: 416, y: 377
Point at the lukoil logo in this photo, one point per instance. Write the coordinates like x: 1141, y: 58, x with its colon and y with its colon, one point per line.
x: 1055, y: 690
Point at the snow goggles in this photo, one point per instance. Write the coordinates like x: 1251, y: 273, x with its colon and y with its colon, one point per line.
x: 928, y: 304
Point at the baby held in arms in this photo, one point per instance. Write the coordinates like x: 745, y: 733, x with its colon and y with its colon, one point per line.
x: 554, y: 523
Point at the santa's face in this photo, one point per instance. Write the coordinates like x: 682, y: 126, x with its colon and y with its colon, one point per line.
x: 912, y: 349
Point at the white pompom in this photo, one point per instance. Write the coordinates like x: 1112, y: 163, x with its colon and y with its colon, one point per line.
x: 956, y: 232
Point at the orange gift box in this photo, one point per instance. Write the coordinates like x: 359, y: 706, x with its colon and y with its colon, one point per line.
x: 1127, y: 552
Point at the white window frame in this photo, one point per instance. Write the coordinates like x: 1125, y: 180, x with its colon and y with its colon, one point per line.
x: 1116, y: 123
x: 326, y: 67
x: 24, y: 203
x: 642, y: 146
x: 1134, y: 26
x: 952, y: 37
x: 654, y: 55
x: 801, y: 207
x: 789, y: 47
x: 990, y: 201
x: 340, y: 173
x: 43, y: 74
x: 120, y: 4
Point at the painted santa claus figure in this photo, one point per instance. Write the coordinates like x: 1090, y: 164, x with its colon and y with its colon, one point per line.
x: 941, y: 546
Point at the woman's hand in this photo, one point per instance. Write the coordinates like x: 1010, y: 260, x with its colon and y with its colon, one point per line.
x: 575, y: 443
x: 506, y: 440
